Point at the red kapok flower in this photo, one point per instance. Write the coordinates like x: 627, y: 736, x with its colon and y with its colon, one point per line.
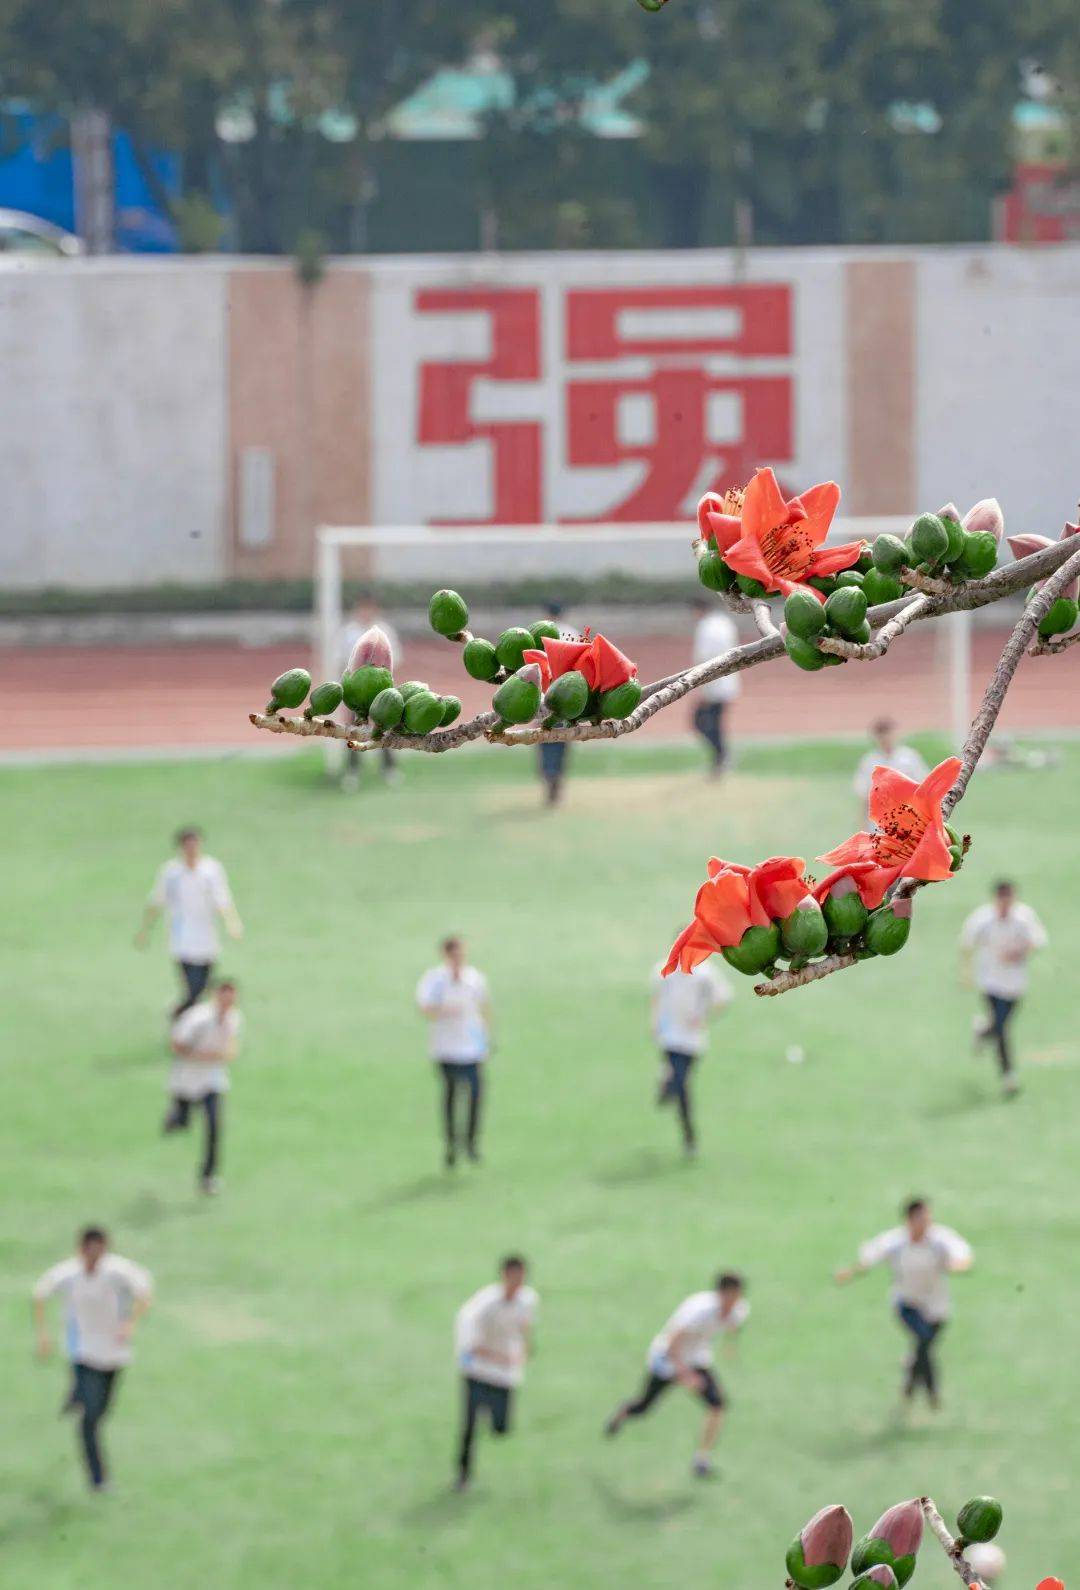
x: 719, y: 518
x: 781, y: 541
x: 735, y: 898
x: 911, y: 841
x: 1022, y: 546
x: 1050, y: 1584
x: 602, y: 664
x: 856, y: 875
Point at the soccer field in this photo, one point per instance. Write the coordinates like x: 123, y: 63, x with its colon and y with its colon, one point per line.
x: 290, y: 1417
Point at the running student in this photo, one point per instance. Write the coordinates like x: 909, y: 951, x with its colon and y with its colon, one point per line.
x: 888, y: 751
x: 193, y: 891
x: 1000, y: 938
x: 682, y: 1353
x: 922, y: 1256
x: 714, y: 632
x: 682, y: 1004
x: 493, y: 1341
x: 205, y: 1041
x: 454, y: 998
x: 103, y: 1296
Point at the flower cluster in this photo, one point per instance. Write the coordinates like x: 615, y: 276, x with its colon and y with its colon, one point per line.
x: 761, y: 543
x: 887, y: 1554
x: 757, y: 916
x: 1066, y: 609
x: 539, y: 673
x: 367, y: 688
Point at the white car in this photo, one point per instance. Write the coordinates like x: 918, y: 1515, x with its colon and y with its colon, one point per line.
x: 21, y: 233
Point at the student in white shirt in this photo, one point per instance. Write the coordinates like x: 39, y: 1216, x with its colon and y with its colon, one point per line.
x: 454, y: 998
x: 714, y: 632
x: 1000, y: 938
x: 681, y: 1007
x: 205, y: 1041
x: 887, y: 752
x: 922, y: 1255
x: 682, y: 1354
x: 103, y: 1296
x: 193, y: 891
x: 492, y: 1341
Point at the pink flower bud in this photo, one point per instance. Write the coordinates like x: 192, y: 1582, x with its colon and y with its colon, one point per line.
x: 371, y: 649
x: 902, y: 909
x: 842, y: 886
x: 902, y: 1526
x: 1023, y: 546
x: 827, y: 1538
x: 531, y: 672
x: 950, y: 511
x: 985, y: 518
x: 880, y: 1573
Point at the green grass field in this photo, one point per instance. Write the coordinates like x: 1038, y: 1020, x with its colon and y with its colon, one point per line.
x: 289, y: 1419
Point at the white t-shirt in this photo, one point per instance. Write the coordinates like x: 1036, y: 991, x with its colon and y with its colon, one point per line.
x: 460, y: 1033
x: 902, y: 759
x: 95, y: 1305
x: 491, y: 1320
x: 992, y: 937
x: 698, y: 1319
x: 683, y: 1004
x: 920, y: 1269
x: 712, y: 635
x: 201, y: 1027
x: 192, y: 898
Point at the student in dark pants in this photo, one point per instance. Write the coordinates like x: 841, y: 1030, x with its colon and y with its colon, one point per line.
x: 714, y: 632
x: 193, y: 892
x: 205, y: 1040
x: 454, y: 998
x: 922, y: 1255
x: 682, y: 1004
x: 996, y: 944
x: 103, y: 1296
x: 493, y: 1339
x: 552, y: 757
x: 682, y: 1354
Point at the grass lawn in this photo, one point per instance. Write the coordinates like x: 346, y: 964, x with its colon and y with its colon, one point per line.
x: 289, y: 1419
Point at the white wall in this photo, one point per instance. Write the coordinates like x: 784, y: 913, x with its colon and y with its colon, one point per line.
x: 112, y: 424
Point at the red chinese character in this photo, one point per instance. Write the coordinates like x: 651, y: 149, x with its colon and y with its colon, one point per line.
x: 446, y: 391
x: 755, y: 322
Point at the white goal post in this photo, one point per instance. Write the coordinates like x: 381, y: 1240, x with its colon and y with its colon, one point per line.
x: 455, y: 554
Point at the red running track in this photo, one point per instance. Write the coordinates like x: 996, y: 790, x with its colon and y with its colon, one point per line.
x: 173, y: 697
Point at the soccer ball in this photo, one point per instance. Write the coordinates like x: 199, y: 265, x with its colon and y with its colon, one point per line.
x: 987, y: 1560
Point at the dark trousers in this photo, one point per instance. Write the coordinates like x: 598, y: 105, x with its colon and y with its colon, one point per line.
x: 921, y: 1371
x: 708, y: 1390
x: 92, y: 1392
x: 709, y: 723
x: 195, y: 975
x: 478, y: 1397
x: 354, y: 761
x: 677, y: 1087
x: 552, y: 759
x: 179, y: 1115
x: 1000, y: 1011
x: 461, y: 1076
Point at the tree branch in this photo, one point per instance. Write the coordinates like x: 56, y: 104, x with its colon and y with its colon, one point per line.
x: 664, y: 693
x: 1050, y: 648
x: 952, y: 1548
x: 873, y: 649
x: 978, y: 735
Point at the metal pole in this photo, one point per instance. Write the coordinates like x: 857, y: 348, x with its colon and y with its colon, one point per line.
x: 960, y: 676
x: 328, y: 622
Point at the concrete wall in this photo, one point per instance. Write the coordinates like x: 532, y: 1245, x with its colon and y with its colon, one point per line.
x: 196, y: 419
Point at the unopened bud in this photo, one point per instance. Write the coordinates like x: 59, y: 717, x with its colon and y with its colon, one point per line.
x: 818, y: 1555
x: 986, y: 518
x: 950, y: 511
x: 531, y: 672
x: 879, y: 1574
x: 372, y: 649
x: 902, y: 909
x: 1023, y: 546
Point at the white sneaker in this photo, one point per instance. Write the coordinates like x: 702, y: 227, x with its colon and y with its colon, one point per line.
x: 210, y: 1186
x: 703, y: 1467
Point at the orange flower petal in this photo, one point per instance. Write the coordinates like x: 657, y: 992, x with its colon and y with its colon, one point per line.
x: 830, y: 560
x: 764, y: 506
x: 819, y: 505
x: 745, y: 557
x: 938, y: 782
x: 889, y: 789
x: 722, y: 908
x: 930, y: 859
x: 612, y: 667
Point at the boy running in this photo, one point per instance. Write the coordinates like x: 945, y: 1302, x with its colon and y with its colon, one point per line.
x: 682, y: 1353
x: 493, y: 1340
x: 922, y: 1256
x: 681, y: 1006
x: 193, y: 891
x: 205, y: 1041
x: 103, y: 1296
x: 1000, y: 938
x: 454, y: 998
